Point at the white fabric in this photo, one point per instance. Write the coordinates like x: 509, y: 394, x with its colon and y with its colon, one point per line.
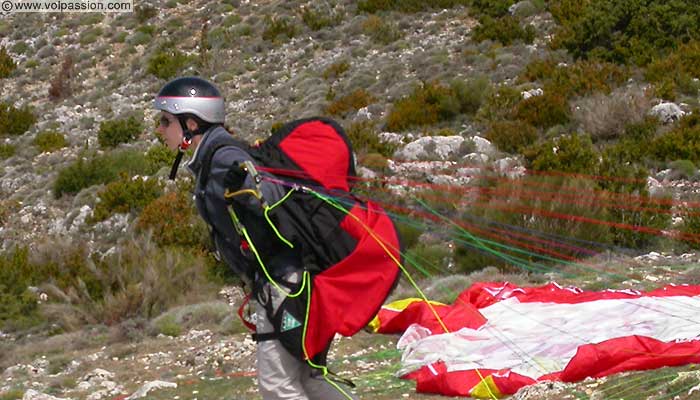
x: 534, y: 339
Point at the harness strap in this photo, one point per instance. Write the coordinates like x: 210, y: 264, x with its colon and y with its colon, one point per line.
x: 262, y: 337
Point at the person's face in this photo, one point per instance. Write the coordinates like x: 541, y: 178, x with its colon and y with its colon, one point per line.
x: 170, y: 130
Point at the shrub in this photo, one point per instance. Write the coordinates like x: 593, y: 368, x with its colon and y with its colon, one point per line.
x: 557, y: 206
x: 136, y: 281
x: 166, y: 63
x: 352, y: 102
x: 511, y: 136
x: 364, y: 138
x: 118, y: 131
x: 173, y: 221
x: 90, y: 35
x: 683, y: 169
x: 683, y: 142
x: 278, y: 26
x: 605, y: 117
x: 48, y: 141
x: 632, y: 31
x: 499, y: 104
x: 470, y: 94
x: 7, y: 64
x: 60, y: 85
x: 167, y: 325
x: 93, y: 169
x: 409, y: 6
x: 335, y: 70
x: 428, y: 259
x: 571, y: 153
x: 6, y: 151
x: 374, y: 161
x: 504, y: 30
x: 18, y: 307
x: 675, y: 73
x: 126, y: 195
x: 578, y: 79
x: 544, y: 111
x: 319, y: 19
x: 691, y: 225
x: 159, y: 156
x: 15, y: 121
x: 145, y: 12
x: 432, y: 102
x: 380, y: 30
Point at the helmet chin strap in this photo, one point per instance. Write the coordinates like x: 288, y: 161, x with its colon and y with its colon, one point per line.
x: 183, y: 146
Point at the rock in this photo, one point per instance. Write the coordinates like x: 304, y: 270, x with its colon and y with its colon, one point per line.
x: 531, y: 93
x: 484, y: 146
x: 431, y: 148
x: 32, y: 394
x: 667, y: 112
x: 654, y: 187
x: 143, y: 391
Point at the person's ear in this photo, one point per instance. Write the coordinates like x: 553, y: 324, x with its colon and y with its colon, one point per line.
x: 191, y: 124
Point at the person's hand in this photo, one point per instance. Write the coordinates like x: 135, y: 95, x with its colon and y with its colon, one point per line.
x: 233, y: 181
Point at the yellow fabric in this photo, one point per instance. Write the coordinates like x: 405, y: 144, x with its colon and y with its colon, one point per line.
x: 486, y: 389
x: 398, y: 306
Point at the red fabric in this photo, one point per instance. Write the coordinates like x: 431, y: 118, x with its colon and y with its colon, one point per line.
x: 454, y: 317
x: 628, y: 353
x: 317, y: 149
x: 437, y: 379
x: 484, y: 294
x: 346, y: 297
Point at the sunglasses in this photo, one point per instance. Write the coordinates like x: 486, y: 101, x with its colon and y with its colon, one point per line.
x: 164, y: 121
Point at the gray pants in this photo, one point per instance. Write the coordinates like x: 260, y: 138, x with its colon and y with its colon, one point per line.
x: 280, y: 375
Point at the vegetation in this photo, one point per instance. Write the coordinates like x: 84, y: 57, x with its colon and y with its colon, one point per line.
x: 15, y: 121
x: 408, y: 6
x: 166, y: 63
x: 173, y: 221
x: 125, y: 130
x: 629, y: 32
x: 352, y: 102
x: 278, y: 26
x: 365, y: 139
x: 126, y: 195
x: 48, y: 141
x: 7, y: 64
x: 92, y: 169
x: 504, y: 30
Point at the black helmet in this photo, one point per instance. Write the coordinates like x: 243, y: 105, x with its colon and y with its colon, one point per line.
x: 192, y: 95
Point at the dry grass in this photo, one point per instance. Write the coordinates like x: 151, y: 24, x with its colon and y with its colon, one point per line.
x: 606, y: 116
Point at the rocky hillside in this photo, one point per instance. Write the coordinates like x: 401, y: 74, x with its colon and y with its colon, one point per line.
x: 461, y: 94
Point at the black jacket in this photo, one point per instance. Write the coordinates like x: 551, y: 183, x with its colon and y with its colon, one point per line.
x: 209, y: 198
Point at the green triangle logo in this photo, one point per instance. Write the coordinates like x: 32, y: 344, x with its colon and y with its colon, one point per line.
x: 289, y: 322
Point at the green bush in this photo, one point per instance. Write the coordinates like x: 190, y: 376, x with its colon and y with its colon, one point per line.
x: 633, y: 31
x: 544, y: 111
x: 690, y: 228
x: 432, y: 102
x: 6, y: 151
x: 90, y: 35
x: 126, y: 195
x: 7, y: 64
x: 570, y: 153
x: 99, y: 169
x: 319, y: 19
x: 15, y: 121
x: 48, y: 141
x: 167, y: 325
x: 408, y: 6
x: 374, y: 161
x: 380, y: 30
x: 683, y: 142
x: 173, y: 221
x: 112, y: 133
x: 18, y: 307
x: 554, y: 205
x: 159, y: 156
x: 166, y: 63
x: 352, y: 102
x: 578, y: 79
x: 278, y: 26
x: 676, y: 73
x: 364, y: 139
x: 511, y: 136
x: 684, y: 169
x: 504, y: 30
x: 499, y: 104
